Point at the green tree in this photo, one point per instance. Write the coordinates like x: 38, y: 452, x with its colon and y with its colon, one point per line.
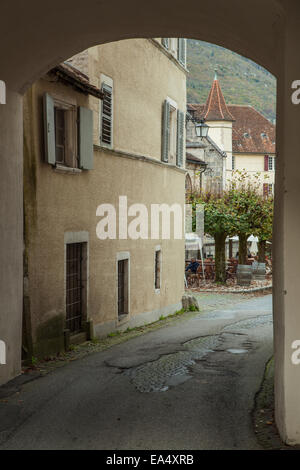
x: 253, y: 212
x: 264, y: 231
x: 219, y: 222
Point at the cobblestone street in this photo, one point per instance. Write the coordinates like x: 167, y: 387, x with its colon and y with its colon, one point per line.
x: 188, y: 385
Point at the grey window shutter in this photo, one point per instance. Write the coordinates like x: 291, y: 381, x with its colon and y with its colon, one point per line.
x: 86, y: 150
x: 182, y: 51
x: 106, y: 115
x: 49, y: 129
x: 180, y: 136
x: 166, y: 132
x: 165, y: 42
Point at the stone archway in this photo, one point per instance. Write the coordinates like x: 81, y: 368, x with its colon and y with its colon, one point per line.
x: 35, y: 37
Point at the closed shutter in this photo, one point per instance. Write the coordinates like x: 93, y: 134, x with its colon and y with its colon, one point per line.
x: 49, y: 129
x: 266, y: 164
x: 86, y: 151
x: 165, y: 42
x: 106, y: 115
x: 166, y: 132
x: 266, y: 189
x: 180, y: 134
x: 182, y: 51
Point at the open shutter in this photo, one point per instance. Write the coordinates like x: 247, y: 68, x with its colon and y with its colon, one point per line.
x: 165, y: 42
x: 49, y: 129
x: 180, y: 134
x: 266, y: 164
x: 182, y: 51
x: 106, y: 115
x: 166, y: 132
x: 86, y: 151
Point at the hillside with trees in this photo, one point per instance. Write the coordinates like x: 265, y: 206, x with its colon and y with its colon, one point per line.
x: 242, y: 81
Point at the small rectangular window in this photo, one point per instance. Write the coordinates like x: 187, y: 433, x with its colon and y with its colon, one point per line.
x: 233, y: 162
x: 270, y: 189
x: 65, y: 134
x: 157, y: 278
x: 271, y: 163
x: 123, y: 282
x: 75, y: 286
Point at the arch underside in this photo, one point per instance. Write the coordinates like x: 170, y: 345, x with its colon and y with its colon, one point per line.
x: 39, y: 35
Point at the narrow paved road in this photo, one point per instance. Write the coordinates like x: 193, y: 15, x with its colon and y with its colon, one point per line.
x: 190, y: 385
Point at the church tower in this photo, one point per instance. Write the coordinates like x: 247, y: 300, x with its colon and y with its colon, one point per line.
x: 219, y: 119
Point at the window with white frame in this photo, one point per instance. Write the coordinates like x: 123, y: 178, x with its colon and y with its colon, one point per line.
x: 271, y: 163
x: 106, y: 113
x: 270, y: 189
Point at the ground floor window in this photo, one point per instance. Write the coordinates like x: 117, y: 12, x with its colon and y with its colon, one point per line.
x: 75, y: 286
x: 157, y: 266
x: 123, y: 284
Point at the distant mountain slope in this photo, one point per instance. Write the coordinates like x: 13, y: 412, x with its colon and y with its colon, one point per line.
x: 242, y: 81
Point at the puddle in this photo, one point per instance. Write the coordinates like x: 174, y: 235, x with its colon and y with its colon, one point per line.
x: 237, y: 351
x: 171, y: 369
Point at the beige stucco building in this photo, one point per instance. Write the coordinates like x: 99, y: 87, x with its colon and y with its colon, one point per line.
x: 97, y: 128
x: 244, y: 135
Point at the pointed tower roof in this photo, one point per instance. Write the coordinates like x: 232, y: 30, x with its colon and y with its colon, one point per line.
x: 216, y: 108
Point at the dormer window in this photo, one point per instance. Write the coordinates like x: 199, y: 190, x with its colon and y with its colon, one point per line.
x: 246, y: 135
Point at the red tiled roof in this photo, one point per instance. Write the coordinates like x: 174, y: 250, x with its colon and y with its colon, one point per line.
x: 216, y: 108
x: 251, y: 131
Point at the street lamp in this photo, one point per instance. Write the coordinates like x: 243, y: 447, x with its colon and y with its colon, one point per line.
x: 201, y: 129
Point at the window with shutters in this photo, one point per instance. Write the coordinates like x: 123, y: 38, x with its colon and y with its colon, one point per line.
x: 181, y: 55
x: 106, y: 118
x: 176, y: 47
x: 173, y: 127
x: 271, y: 163
x: 68, y: 135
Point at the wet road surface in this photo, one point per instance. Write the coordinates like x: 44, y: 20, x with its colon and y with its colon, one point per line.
x: 189, y: 385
